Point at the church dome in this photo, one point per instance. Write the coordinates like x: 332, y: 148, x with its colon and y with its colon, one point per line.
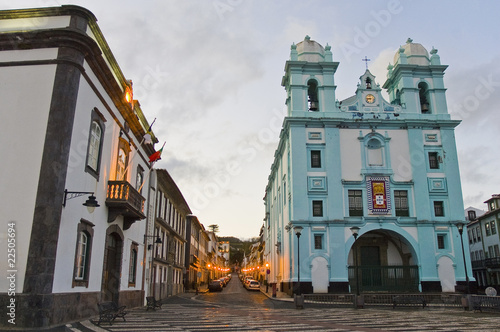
x: 415, y: 53
x: 311, y: 51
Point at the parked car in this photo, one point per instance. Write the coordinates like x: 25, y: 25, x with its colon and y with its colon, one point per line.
x: 215, y: 286
x: 253, y: 285
x: 223, y: 281
x: 246, y: 279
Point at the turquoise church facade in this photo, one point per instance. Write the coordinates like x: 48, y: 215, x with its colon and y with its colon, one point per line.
x: 386, y: 168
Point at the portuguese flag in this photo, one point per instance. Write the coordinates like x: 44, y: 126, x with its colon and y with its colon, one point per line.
x: 157, y: 155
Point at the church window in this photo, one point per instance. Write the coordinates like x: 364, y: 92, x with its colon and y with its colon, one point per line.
x: 317, y: 207
x: 423, y: 91
x: 355, y: 203
x: 438, y: 209
x: 312, y: 94
x: 368, y: 82
x: 316, y: 159
x: 374, y: 148
x: 441, y: 241
x: 401, y: 203
x: 397, y: 100
x: 433, y: 160
x: 318, y: 241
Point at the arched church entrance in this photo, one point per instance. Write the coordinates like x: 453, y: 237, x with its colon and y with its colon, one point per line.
x: 383, y: 261
x: 319, y: 275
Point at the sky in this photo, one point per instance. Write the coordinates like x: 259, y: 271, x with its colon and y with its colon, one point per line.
x: 209, y: 72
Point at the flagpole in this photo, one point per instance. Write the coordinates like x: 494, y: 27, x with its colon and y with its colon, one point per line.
x: 150, y: 169
x: 130, y: 161
x: 147, y: 176
x: 140, y: 144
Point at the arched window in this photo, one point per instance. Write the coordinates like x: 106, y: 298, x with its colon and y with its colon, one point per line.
x: 397, y: 100
x: 132, y: 271
x: 139, y: 178
x: 423, y: 91
x: 95, y: 142
x: 94, y: 146
x: 82, y: 256
x: 83, y: 253
x: 374, y: 149
x: 368, y: 82
x: 121, y: 165
x: 312, y: 94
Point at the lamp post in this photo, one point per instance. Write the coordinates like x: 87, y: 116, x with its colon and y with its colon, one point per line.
x: 298, y: 232
x: 90, y: 203
x: 299, y: 302
x: 355, y: 232
x: 460, y: 227
x: 158, y: 241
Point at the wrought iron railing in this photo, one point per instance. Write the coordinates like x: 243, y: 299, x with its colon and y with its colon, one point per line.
x: 385, y: 278
x: 492, y: 262
x: 478, y: 264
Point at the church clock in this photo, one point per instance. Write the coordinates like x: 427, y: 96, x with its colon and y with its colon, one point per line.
x: 370, y: 99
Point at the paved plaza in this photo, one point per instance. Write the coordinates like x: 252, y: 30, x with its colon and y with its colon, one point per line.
x: 188, y: 313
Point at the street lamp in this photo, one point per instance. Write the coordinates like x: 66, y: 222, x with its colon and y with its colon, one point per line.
x: 158, y: 242
x: 90, y: 203
x: 460, y: 227
x: 355, y: 232
x: 299, y: 301
x: 298, y: 232
x: 267, y: 277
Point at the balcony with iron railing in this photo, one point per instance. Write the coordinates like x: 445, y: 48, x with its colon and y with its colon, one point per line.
x: 194, y: 261
x: 492, y: 262
x: 478, y: 264
x: 123, y: 199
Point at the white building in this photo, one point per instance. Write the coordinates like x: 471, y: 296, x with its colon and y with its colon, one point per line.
x: 484, y: 243
x: 71, y: 126
x: 166, y: 237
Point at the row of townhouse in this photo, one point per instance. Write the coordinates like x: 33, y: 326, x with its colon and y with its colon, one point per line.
x: 88, y: 217
x: 484, y: 243
x: 254, y: 264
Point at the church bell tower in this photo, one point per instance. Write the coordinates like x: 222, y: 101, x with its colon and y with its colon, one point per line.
x: 309, y: 80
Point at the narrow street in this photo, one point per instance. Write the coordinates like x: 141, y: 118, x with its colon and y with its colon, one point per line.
x: 235, y: 294
x: 236, y: 309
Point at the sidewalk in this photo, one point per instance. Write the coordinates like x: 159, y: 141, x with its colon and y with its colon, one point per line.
x: 280, y: 296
